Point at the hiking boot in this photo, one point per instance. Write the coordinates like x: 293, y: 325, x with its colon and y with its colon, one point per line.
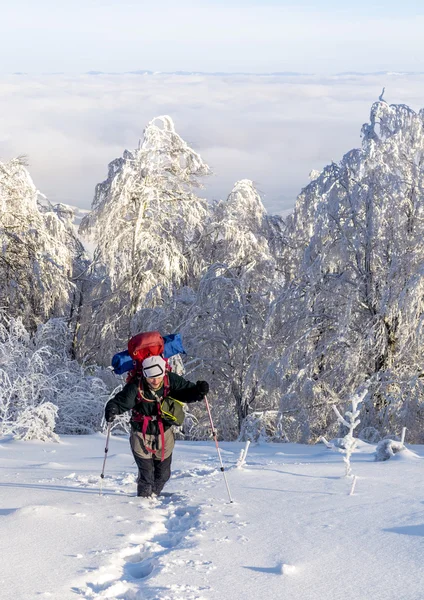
x: 156, y: 489
x: 144, y: 490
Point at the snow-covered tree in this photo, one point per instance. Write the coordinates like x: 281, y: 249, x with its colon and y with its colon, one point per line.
x: 234, y: 297
x: 147, y: 223
x: 38, y: 250
x: 352, y: 308
x: 225, y: 327
x: 239, y: 231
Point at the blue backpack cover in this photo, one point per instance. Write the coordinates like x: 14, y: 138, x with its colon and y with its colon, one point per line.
x: 122, y: 361
x: 173, y: 345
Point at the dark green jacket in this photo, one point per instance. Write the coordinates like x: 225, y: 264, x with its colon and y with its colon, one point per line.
x: 129, y: 399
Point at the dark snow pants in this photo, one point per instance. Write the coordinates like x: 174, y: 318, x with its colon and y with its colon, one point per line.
x: 153, y: 472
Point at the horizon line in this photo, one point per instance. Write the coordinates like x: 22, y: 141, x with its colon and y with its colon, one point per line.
x: 148, y: 72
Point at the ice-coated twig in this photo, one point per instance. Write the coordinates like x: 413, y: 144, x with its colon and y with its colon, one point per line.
x: 242, y: 458
x: 402, y: 439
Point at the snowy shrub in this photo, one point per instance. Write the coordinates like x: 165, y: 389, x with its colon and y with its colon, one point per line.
x: 24, y: 382
x: 80, y: 400
x: 121, y: 424
x: 79, y: 395
x: 197, y: 425
x: 388, y: 448
x: 188, y: 429
x: 371, y: 435
x: 37, y: 423
x: 292, y: 429
x: 338, y: 442
x: 37, y: 374
x: 261, y: 426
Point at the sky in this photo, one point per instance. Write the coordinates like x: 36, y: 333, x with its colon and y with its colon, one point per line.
x: 272, y: 130
x: 294, y: 529
x: 324, y: 36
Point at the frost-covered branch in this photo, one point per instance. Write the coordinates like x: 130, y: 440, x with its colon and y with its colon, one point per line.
x: 351, y: 421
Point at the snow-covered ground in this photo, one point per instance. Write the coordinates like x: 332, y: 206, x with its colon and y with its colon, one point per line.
x: 293, y: 531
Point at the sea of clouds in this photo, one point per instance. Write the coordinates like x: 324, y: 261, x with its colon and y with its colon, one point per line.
x: 271, y: 129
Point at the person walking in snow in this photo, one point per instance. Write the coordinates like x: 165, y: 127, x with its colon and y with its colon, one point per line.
x: 152, y: 438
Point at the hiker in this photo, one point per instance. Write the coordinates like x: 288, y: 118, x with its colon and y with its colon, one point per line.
x: 152, y: 438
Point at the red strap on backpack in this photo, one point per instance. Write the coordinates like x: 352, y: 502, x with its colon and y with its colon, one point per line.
x: 145, y: 419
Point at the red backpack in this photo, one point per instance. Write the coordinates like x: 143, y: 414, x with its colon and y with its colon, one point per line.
x: 143, y: 345
x: 146, y: 344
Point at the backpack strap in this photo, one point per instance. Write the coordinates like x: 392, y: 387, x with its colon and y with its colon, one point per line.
x: 145, y: 422
x: 146, y: 419
x: 166, y: 385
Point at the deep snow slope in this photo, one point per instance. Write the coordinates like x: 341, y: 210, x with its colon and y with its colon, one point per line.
x: 293, y: 531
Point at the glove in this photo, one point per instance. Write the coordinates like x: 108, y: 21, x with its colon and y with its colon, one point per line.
x: 110, y: 413
x: 202, y: 388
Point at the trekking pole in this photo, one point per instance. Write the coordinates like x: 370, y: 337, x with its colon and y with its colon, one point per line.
x: 214, y: 435
x: 102, y: 474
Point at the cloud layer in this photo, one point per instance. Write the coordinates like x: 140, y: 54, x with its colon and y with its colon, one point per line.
x: 273, y: 130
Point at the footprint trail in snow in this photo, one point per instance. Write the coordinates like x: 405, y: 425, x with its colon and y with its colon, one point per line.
x: 165, y: 524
